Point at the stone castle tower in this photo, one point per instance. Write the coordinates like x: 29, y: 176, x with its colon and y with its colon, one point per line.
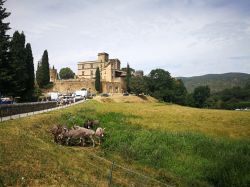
x: 103, y: 57
x: 53, y: 74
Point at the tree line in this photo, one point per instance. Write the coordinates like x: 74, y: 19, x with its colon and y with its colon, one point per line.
x: 159, y: 84
x: 230, y: 98
x: 233, y: 98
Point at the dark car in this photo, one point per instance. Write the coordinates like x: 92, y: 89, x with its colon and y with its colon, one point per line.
x: 6, y: 100
x: 104, y: 95
x: 126, y: 94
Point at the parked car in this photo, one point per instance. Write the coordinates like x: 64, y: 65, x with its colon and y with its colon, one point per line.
x: 6, y: 100
x: 83, y: 93
x: 126, y: 94
x: 78, y: 98
x: 104, y: 95
x: 66, y: 99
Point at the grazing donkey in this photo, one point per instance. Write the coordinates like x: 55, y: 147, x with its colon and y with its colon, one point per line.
x: 99, y: 133
x: 56, y: 130
x: 90, y: 124
x: 82, y: 133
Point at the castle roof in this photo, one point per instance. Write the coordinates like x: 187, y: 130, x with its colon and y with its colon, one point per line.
x: 89, y: 62
x: 102, y: 53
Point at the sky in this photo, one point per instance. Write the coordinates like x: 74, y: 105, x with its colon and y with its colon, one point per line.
x: 184, y: 37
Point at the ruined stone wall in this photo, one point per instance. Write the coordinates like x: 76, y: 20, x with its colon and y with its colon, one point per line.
x: 71, y: 85
x: 114, y: 87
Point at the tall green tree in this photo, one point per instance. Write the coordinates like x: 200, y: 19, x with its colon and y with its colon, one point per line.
x: 128, y: 78
x: 30, y: 69
x: 5, y: 74
x: 42, y: 73
x: 18, y: 64
x: 180, y: 92
x: 201, y: 93
x: 66, y: 73
x: 138, y: 85
x: 98, y: 80
x: 39, y: 75
x: 160, y: 85
x: 45, y: 68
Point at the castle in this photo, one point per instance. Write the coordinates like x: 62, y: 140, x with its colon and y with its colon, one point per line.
x: 112, y: 78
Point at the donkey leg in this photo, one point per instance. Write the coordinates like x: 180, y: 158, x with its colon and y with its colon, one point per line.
x: 67, y: 141
x: 93, y: 141
x: 99, y: 140
x: 82, y: 141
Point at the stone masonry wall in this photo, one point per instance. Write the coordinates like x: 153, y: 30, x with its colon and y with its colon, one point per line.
x: 71, y: 85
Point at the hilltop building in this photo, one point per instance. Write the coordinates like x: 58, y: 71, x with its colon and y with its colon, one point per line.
x: 112, y: 78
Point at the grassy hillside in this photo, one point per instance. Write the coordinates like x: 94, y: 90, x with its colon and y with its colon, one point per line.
x: 176, y: 145
x: 217, y: 82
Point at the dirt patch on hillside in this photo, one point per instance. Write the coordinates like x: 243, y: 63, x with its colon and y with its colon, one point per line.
x: 119, y: 98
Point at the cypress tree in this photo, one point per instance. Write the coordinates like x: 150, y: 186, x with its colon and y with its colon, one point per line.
x: 30, y: 69
x: 128, y: 78
x: 98, y: 80
x: 18, y: 64
x: 45, y: 68
x: 42, y: 73
x: 5, y: 74
x: 39, y: 75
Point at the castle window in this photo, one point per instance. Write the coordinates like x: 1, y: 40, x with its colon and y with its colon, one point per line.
x: 83, y: 66
x: 91, y: 72
x: 91, y: 67
x: 82, y: 72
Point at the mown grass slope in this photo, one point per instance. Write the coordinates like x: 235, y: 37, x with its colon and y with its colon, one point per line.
x: 176, y: 145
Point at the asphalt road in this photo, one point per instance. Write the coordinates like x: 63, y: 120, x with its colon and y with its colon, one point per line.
x: 17, y: 116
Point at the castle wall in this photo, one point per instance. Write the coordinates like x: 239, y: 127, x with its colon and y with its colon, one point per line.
x: 71, y: 85
x: 114, y: 87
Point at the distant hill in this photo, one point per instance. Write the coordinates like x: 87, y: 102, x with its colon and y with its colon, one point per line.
x: 216, y: 82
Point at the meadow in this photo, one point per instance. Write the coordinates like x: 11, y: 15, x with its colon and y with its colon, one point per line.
x: 178, y: 146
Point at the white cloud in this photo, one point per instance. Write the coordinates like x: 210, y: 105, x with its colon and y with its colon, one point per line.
x: 185, y: 37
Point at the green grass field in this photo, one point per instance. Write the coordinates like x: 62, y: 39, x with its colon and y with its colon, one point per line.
x: 176, y: 145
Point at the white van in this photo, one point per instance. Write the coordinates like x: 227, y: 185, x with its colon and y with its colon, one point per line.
x: 54, y: 96
x: 80, y: 94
